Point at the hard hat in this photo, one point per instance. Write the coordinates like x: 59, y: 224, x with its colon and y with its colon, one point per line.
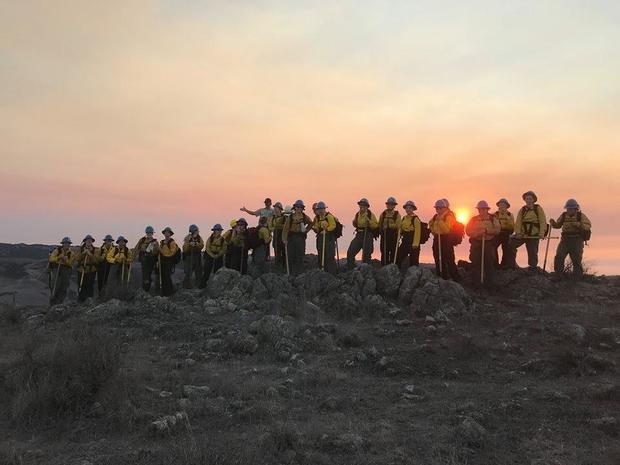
x: 321, y: 205
x: 446, y: 202
x: 482, y: 205
x: 391, y: 201
x: 217, y: 227
x: 441, y: 203
x: 66, y: 240
x: 277, y: 205
x: 120, y: 239
x: 410, y: 203
x: 149, y: 230
x: 364, y: 201
x: 242, y: 221
x: 193, y: 228
x: 108, y: 238
x: 233, y: 223
x: 504, y: 201
x: 88, y: 238
x: 288, y: 209
x: 168, y: 229
x: 299, y: 203
x: 571, y: 203
x: 530, y: 193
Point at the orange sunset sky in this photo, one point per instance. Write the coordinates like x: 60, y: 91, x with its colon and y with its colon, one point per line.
x: 119, y: 114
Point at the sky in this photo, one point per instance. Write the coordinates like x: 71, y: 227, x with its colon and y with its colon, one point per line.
x: 119, y: 114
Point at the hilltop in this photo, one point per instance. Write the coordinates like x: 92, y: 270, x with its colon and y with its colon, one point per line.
x: 370, y: 367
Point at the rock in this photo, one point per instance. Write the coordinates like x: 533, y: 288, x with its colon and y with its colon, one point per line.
x: 190, y: 362
x: 344, y: 443
x: 410, y: 283
x: 471, y: 433
x: 375, y: 306
x: 351, y: 340
x: 316, y: 283
x: 403, y: 322
x: 193, y: 392
x: 276, y: 285
x: 430, y: 330
x: 259, y: 291
x: 361, y: 357
x: 373, y: 352
x: 368, y: 282
x: 312, y: 312
x: 383, y: 362
x: 606, y: 391
x: 170, y: 424
x: 343, y: 306
x: 222, y: 282
x: 388, y: 281
x: 574, y: 332
x: 164, y: 394
x: 608, y: 424
x: 111, y: 306
x: 244, y: 344
x: 272, y: 328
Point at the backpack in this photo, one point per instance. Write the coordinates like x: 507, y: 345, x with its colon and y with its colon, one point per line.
x: 536, y: 207
x: 178, y: 255
x: 425, y: 233
x: 251, y: 239
x: 585, y: 235
x: 457, y: 233
x: 339, y: 227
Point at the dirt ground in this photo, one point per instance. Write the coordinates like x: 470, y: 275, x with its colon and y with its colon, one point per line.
x: 521, y: 379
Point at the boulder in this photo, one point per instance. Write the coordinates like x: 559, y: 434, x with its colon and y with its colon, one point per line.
x: 222, y: 282
x: 388, y: 281
x: 471, y: 433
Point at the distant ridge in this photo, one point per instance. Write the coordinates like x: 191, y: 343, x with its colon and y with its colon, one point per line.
x: 31, y: 251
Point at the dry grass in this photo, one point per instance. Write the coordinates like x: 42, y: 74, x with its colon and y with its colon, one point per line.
x: 60, y: 376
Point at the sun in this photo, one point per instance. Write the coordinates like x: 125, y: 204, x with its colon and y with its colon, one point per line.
x: 462, y: 215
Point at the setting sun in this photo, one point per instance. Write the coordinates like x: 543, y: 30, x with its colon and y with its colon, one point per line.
x: 462, y: 215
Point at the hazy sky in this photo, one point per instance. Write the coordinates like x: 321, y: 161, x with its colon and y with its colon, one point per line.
x: 118, y: 114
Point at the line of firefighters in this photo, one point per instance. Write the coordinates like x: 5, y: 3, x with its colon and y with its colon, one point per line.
x: 109, y: 266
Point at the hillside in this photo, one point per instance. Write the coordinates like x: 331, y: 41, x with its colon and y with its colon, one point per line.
x: 372, y: 367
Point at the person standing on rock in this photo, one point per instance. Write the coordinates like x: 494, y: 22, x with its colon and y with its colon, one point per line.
x: 265, y: 212
x: 411, y: 230
x: 276, y: 225
x: 441, y: 226
x: 482, y: 231
x: 530, y: 228
x: 192, y: 261
x: 120, y: 257
x: 576, y: 230
x: 259, y: 252
x: 147, y: 251
x: 294, y: 236
x: 103, y: 268
x: 507, y: 223
x: 323, y: 225
x: 61, y: 263
x: 168, y: 251
x: 236, y: 247
x: 215, y: 249
x: 389, y: 226
x: 87, y: 260
x: 366, y: 226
